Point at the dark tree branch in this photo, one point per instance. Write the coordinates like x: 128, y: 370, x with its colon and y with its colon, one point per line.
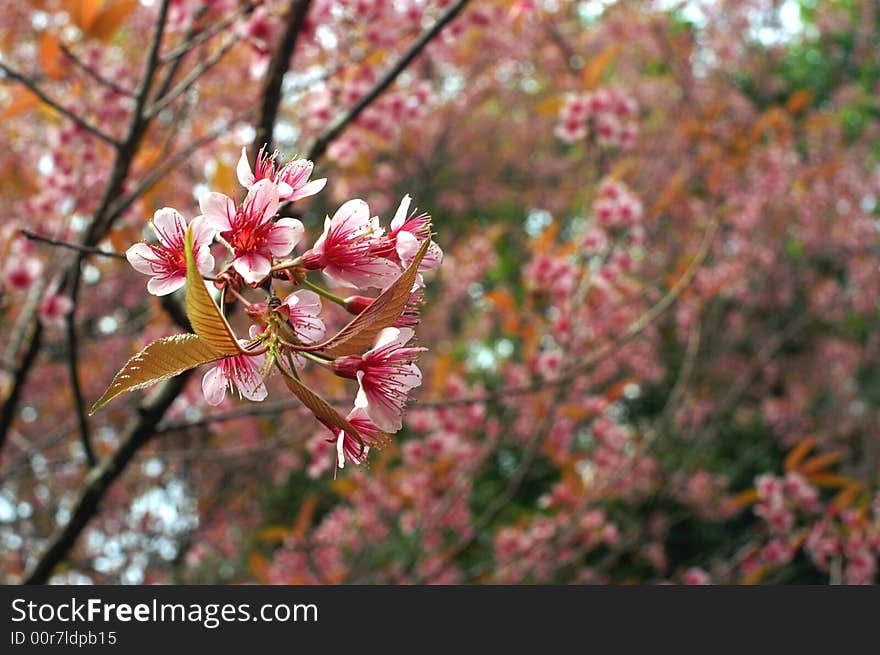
x: 192, y: 41
x: 82, y: 422
x: 95, y: 75
x: 319, y: 146
x: 143, y: 427
x: 88, y: 250
x: 31, y: 86
x: 278, y: 66
x: 137, y: 434
x: 186, y: 83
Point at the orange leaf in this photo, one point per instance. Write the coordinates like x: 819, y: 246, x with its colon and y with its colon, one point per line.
x: 798, y: 453
x: 798, y: 101
x: 550, y: 106
x: 110, y: 19
x: 593, y: 70
x: 23, y: 100
x: 830, y: 480
x: 273, y: 533
x: 52, y: 59
x: 745, y: 498
x: 820, y: 462
x: 305, y: 515
x: 320, y: 407
x: 202, y: 311
x: 847, y: 497
x: 259, y: 566
x: 756, y: 576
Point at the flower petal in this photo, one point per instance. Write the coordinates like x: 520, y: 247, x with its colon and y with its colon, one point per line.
x: 284, y: 235
x: 243, y: 170
x: 142, y: 259
x: 169, y: 226
x: 214, y: 386
x: 219, y: 210
x: 308, y: 189
x: 165, y: 284
x: 261, y: 203
x: 252, y: 266
x: 401, y: 213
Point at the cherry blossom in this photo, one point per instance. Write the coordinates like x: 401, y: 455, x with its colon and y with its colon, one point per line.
x: 165, y: 261
x: 250, y: 231
x: 292, y: 179
x: 386, y: 373
x: 345, y: 250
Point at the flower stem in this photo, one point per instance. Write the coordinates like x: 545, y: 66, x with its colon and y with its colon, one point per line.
x: 321, y: 291
x: 290, y: 263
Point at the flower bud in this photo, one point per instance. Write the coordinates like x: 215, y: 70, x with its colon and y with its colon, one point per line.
x: 357, y: 304
x: 347, y: 366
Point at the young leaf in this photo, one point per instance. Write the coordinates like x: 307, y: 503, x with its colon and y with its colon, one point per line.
x: 203, y: 313
x: 320, y: 407
x: 162, y: 359
x: 360, y: 334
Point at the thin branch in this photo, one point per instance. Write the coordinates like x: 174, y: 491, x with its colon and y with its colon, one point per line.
x: 319, y: 146
x: 186, y: 83
x: 71, y: 246
x: 190, y: 43
x: 167, y: 165
x: 95, y: 75
x: 138, y: 433
x: 61, y: 109
x: 278, y: 66
x: 79, y: 404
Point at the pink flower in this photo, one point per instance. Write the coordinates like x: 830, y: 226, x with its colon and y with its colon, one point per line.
x: 254, y: 238
x: 53, y: 308
x: 696, y: 576
x: 21, y: 273
x: 241, y: 372
x: 348, y: 448
x: 408, y: 232
x: 166, y: 261
x: 345, y: 250
x: 386, y: 373
x: 292, y: 179
x: 303, y: 310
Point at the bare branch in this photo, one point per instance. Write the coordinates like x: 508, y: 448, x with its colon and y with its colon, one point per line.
x: 88, y: 250
x: 138, y: 433
x: 54, y: 104
x: 186, y: 83
x: 278, y: 66
x: 95, y: 75
x: 191, y: 43
x: 319, y: 146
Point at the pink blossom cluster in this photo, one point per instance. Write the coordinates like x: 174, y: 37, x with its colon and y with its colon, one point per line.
x: 354, y: 251
x: 608, y: 113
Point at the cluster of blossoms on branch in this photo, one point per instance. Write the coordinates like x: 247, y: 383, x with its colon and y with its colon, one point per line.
x: 607, y: 113
x: 287, y: 331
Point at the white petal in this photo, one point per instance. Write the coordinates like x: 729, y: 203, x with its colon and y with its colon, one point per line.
x: 284, y: 235
x: 401, y: 214
x: 253, y: 267
x: 162, y: 286
x: 309, y: 189
x: 243, y: 170
x: 219, y: 210
x: 141, y: 258
x: 214, y: 386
